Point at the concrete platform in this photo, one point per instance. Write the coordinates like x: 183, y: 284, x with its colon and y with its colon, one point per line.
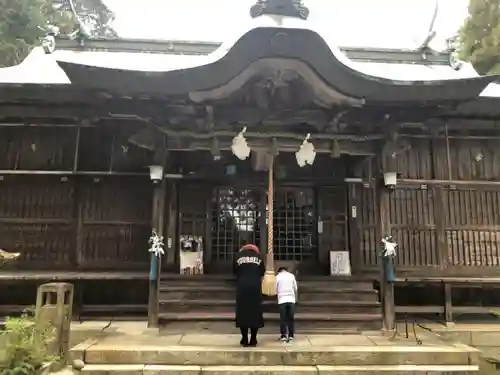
x: 130, y: 348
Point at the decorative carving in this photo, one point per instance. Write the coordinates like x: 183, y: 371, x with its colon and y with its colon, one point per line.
x: 288, y: 8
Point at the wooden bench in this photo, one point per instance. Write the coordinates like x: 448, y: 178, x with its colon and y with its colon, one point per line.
x: 447, y: 283
x: 79, y: 279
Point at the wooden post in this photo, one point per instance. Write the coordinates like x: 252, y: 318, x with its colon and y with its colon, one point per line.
x: 440, y: 212
x: 157, y: 224
x: 439, y: 220
x: 448, y: 306
x: 171, y: 215
x: 78, y: 205
x: 353, y: 228
x: 78, y: 258
x: 386, y: 288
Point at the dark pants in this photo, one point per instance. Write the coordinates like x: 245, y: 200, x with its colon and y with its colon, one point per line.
x: 287, y: 312
x: 253, y: 336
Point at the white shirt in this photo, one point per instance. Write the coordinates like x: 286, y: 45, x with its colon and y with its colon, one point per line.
x: 286, y: 287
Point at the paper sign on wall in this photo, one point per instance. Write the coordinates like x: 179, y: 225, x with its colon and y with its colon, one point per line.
x: 340, y: 264
x: 191, y: 255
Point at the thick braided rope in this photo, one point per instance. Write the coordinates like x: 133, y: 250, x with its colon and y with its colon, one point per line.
x: 270, y: 205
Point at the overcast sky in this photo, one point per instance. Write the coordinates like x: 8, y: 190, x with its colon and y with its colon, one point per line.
x: 374, y: 23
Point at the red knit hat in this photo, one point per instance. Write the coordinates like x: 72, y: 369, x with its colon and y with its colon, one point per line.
x: 250, y: 247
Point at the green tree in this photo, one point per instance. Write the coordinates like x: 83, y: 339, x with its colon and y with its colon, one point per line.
x: 23, y: 22
x: 94, y: 15
x: 479, y: 38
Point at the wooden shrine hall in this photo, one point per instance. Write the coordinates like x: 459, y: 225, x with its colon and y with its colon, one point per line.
x: 104, y: 142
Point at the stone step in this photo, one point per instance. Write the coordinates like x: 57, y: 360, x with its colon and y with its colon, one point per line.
x: 229, y: 277
x: 330, y: 285
x: 278, y: 370
x: 304, y: 321
x: 228, y: 293
x: 272, y: 327
x: 326, y: 306
x: 288, y: 355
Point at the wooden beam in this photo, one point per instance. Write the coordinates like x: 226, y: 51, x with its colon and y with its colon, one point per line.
x: 321, y: 146
x: 66, y: 112
x: 71, y: 173
x: 44, y: 124
x: 270, y: 134
x: 476, y: 183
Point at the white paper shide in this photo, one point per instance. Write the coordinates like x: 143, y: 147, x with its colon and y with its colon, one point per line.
x: 156, y: 244
x: 389, y: 247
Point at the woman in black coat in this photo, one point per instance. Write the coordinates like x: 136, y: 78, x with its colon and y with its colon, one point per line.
x: 249, y: 269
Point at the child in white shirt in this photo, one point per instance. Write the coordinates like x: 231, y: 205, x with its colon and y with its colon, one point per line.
x: 286, y: 290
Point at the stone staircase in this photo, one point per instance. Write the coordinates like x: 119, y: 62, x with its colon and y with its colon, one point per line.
x: 325, y: 303
x: 150, y: 354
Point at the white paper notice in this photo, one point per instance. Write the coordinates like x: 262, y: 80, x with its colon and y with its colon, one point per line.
x: 340, y: 264
x: 191, y: 255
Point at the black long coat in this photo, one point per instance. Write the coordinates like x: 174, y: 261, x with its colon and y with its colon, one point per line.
x: 249, y: 269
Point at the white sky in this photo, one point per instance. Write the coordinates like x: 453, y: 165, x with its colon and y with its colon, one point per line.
x: 356, y: 23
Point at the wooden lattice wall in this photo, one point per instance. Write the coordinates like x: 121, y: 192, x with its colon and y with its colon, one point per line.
x: 65, y: 219
x: 441, y: 227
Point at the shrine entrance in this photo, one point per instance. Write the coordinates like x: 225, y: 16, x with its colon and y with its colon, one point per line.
x: 225, y: 212
x: 239, y: 217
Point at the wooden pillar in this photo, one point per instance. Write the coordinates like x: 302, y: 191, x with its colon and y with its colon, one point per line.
x: 77, y: 258
x: 439, y: 220
x: 353, y: 228
x: 448, y: 306
x: 386, y: 288
x: 78, y: 212
x: 157, y: 224
x: 171, y: 215
x: 384, y: 201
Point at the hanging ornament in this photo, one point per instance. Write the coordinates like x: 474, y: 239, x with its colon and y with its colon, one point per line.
x: 389, y: 246
x: 156, y: 243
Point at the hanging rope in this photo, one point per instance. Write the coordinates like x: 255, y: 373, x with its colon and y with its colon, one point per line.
x: 270, y: 208
x: 269, y: 281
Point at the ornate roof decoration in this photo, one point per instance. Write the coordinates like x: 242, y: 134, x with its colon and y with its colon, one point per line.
x: 288, y: 8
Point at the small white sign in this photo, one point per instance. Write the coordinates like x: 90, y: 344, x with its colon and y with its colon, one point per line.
x: 340, y: 264
x: 191, y: 255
